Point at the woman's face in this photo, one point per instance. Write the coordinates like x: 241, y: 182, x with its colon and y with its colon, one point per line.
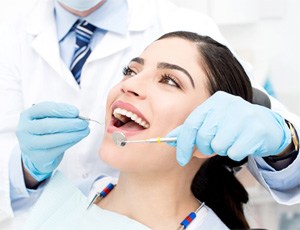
x: 159, y: 90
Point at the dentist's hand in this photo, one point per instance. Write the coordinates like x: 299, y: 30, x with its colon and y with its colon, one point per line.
x: 45, y: 131
x: 230, y: 126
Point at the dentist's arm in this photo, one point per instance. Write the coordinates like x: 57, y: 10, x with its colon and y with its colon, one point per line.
x: 45, y: 131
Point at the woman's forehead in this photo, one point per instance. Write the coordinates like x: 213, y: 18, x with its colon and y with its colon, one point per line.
x: 171, y: 49
x: 179, y: 43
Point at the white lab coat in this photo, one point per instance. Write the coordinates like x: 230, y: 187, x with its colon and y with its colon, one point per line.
x: 32, y: 71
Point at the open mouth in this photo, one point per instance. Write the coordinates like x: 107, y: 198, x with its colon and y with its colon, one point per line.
x: 128, y: 120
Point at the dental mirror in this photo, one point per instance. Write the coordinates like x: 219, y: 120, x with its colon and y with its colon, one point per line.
x: 119, y: 138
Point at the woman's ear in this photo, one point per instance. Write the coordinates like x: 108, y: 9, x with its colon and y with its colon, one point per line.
x: 198, y: 154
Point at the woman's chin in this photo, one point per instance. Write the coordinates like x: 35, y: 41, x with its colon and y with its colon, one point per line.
x: 114, y: 156
x: 106, y: 151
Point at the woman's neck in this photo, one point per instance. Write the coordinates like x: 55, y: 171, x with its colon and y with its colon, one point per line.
x: 157, y: 201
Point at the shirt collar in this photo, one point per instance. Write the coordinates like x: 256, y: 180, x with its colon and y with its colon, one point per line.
x: 111, y: 16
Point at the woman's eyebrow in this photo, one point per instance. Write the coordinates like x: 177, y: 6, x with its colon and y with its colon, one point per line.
x: 164, y: 65
x: 138, y: 60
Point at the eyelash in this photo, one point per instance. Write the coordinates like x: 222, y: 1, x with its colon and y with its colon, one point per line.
x: 168, y: 77
x: 127, y: 71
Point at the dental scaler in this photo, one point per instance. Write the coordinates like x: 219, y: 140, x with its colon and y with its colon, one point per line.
x: 89, y: 119
x: 120, y: 139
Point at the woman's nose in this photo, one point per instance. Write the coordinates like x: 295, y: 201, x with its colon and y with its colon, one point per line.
x: 135, y: 86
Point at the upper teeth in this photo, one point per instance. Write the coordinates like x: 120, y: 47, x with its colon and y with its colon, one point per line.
x: 131, y: 115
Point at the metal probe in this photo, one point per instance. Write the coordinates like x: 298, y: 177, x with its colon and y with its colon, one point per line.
x: 89, y: 119
x: 120, y: 139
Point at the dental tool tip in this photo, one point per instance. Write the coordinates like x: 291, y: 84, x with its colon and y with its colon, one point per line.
x: 89, y: 119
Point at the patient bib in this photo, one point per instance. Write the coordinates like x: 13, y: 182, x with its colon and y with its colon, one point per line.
x: 63, y: 206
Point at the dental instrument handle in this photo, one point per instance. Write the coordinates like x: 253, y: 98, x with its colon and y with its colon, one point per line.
x: 154, y: 140
x: 161, y: 139
x: 120, y: 139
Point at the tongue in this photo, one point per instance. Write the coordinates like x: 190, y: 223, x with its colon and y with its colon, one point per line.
x: 132, y: 126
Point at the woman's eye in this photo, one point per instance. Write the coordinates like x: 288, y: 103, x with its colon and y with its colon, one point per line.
x: 167, y: 79
x: 128, y: 71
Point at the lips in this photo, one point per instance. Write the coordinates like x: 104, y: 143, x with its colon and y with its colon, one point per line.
x: 127, y: 118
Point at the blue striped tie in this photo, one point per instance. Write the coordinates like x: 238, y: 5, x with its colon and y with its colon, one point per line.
x: 84, y: 32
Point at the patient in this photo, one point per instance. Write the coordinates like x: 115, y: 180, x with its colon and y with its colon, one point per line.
x: 160, y: 88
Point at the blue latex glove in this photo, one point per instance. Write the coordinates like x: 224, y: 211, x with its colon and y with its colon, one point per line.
x: 230, y: 126
x: 45, y: 131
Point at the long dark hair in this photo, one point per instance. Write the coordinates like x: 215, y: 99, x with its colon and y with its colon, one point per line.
x: 215, y: 182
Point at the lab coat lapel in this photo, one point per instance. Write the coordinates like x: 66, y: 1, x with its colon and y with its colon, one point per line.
x: 45, y: 44
x: 42, y: 28
x: 50, y: 53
